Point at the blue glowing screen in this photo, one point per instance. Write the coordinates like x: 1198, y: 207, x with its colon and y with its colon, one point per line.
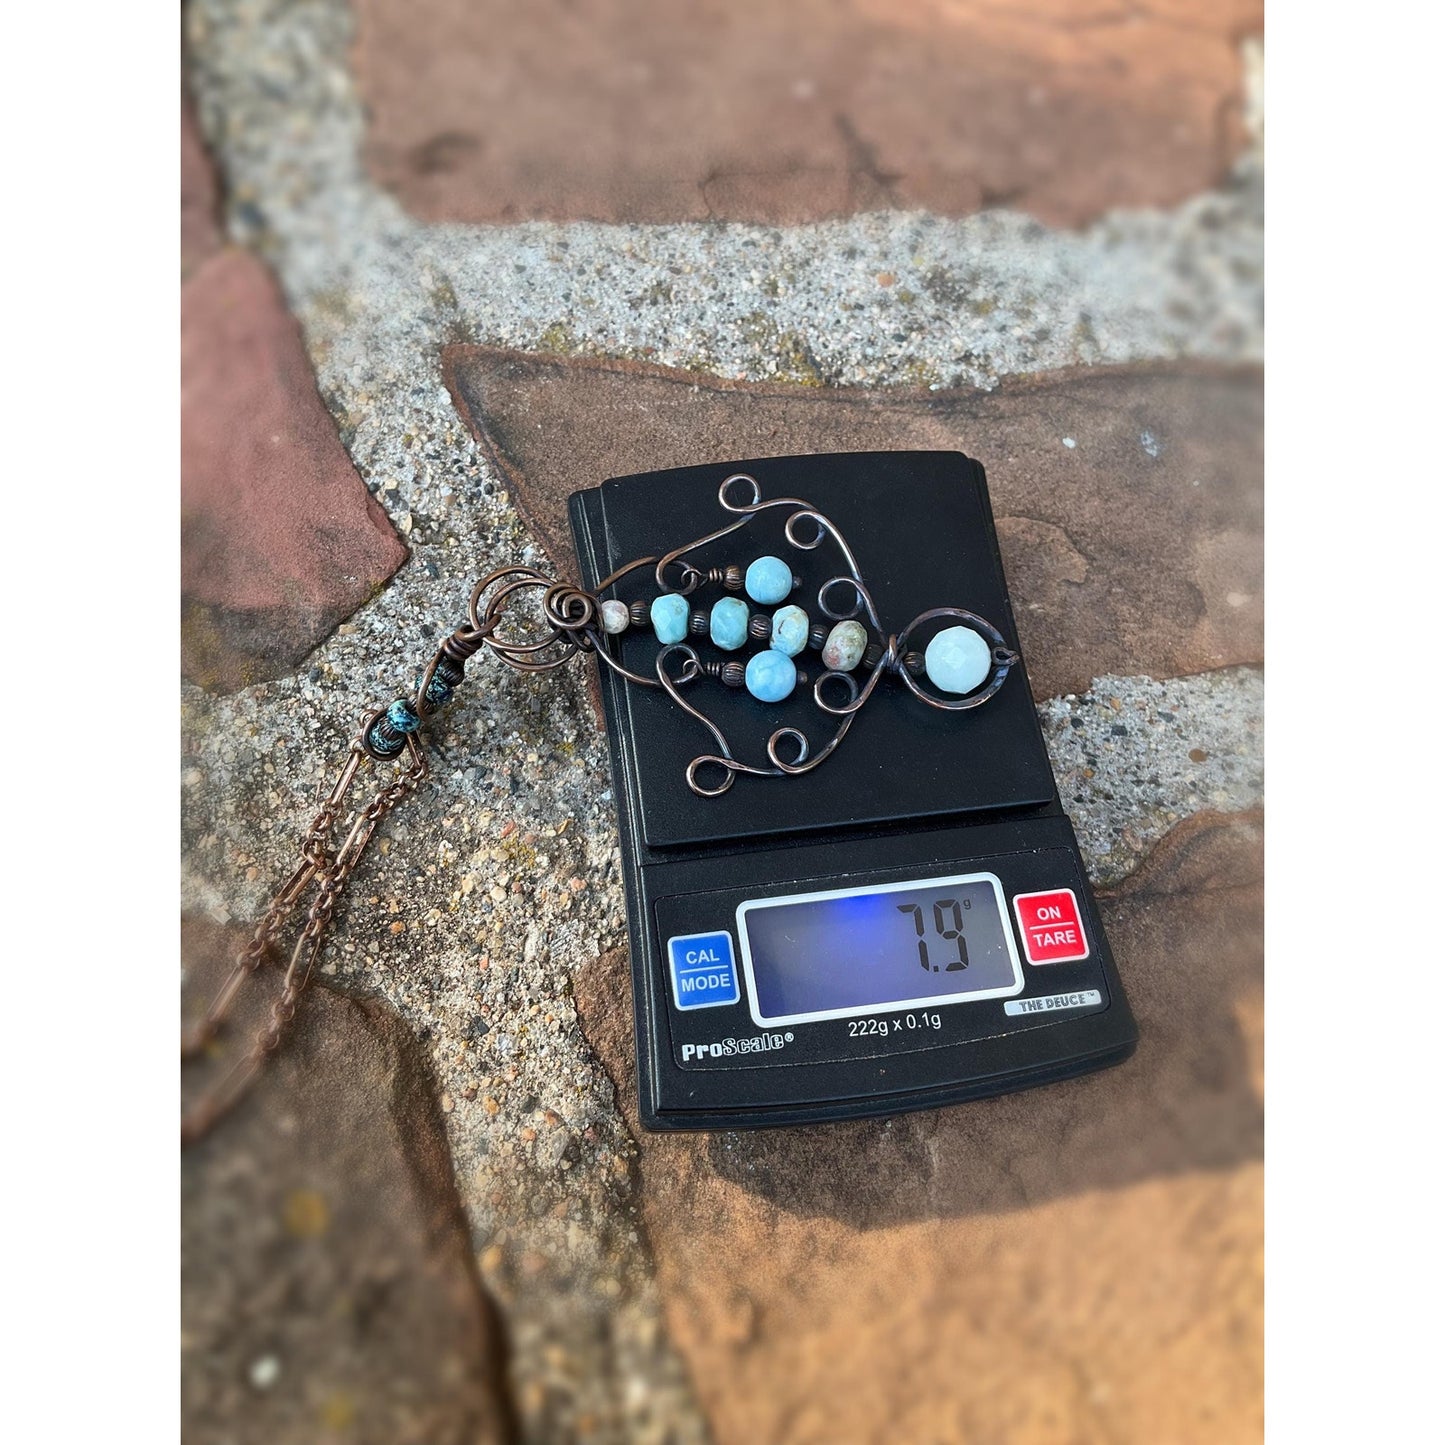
x: 852, y: 952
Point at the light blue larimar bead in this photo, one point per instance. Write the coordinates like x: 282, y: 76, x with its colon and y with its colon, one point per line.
x: 771, y: 675
x: 669, y: 617
x: 957, y: 660
x: 769, y: 580
x: 790, y: 630
x: 728, y: 624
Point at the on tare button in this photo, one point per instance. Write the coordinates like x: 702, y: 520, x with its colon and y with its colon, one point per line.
x: 1052, y: 929
x: 703, y: 974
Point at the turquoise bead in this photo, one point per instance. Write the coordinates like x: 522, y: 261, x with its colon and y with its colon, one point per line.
x: 381, y: 746
x: 438, y: 692
x: 669, y: 617
x: 771, y: 675
x: 402, y: 716
x: 729, y: 623
x: 769, y: 580
x: 957, y: 660
x: 790, y: 630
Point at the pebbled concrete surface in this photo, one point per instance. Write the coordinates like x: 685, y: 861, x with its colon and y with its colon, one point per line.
x: 1134, y: 756
x: 879, y: 298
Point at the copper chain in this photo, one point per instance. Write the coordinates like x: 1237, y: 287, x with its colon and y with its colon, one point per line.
x: 569, y: 618
x: 329, y: 871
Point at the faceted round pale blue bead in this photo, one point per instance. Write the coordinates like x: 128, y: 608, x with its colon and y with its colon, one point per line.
x: 771, y: 675
x: 669, y: 617
x: 769, y: 580
x: 729, y: 623
x: 957, y: 660
x: 790, y: 630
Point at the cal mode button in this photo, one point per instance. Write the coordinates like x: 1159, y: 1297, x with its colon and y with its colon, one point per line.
x: 703, y: 974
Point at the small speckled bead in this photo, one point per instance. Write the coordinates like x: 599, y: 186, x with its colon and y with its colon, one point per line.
x: 769, y: 580
x: 957, y: 660
x: 381, y: 745
x: 615, y: 616
x: 790, y: 630
x: 439, y: 691
x: 402, y: 716
x: 843, y: 650
x: 450, y: 670
x: 729, y: 623
x: 669, y: 617
x: 771, y: 675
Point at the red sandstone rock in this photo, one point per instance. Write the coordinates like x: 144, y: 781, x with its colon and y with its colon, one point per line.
x: 328, y: 1288
x: 1138, y: 549
x: 200, y: 221
x: 749, y: 110
x: 280, y: 541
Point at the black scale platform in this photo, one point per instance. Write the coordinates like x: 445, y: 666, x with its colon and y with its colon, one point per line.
x: 911, y: 793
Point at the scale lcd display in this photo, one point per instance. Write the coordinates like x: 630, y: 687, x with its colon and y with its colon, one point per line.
x: 870, y: 950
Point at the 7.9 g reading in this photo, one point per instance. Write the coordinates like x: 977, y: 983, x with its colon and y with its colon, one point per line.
x: 948, y: 925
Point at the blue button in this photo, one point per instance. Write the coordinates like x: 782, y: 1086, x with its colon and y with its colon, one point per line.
x: 703, y: 975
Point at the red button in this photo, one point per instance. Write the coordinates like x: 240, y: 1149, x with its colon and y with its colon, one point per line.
x: 1051, y: 927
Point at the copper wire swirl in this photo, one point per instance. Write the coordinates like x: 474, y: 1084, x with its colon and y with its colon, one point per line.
x: 572, y: 624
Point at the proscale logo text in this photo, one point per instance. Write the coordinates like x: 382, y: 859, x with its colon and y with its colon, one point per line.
x: 755, y: 1044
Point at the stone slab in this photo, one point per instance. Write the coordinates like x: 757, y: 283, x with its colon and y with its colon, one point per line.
x: 328, y: 1287
x: 200, y: 195
x: 280, y: 540
x: 1128, y: 500
x: 614, y: 110
x: 1072, y: 1264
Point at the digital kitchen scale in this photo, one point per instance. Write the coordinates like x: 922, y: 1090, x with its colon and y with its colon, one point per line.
x: 909, y: 924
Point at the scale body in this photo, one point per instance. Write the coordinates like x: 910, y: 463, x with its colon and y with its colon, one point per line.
x: 909, y: 924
